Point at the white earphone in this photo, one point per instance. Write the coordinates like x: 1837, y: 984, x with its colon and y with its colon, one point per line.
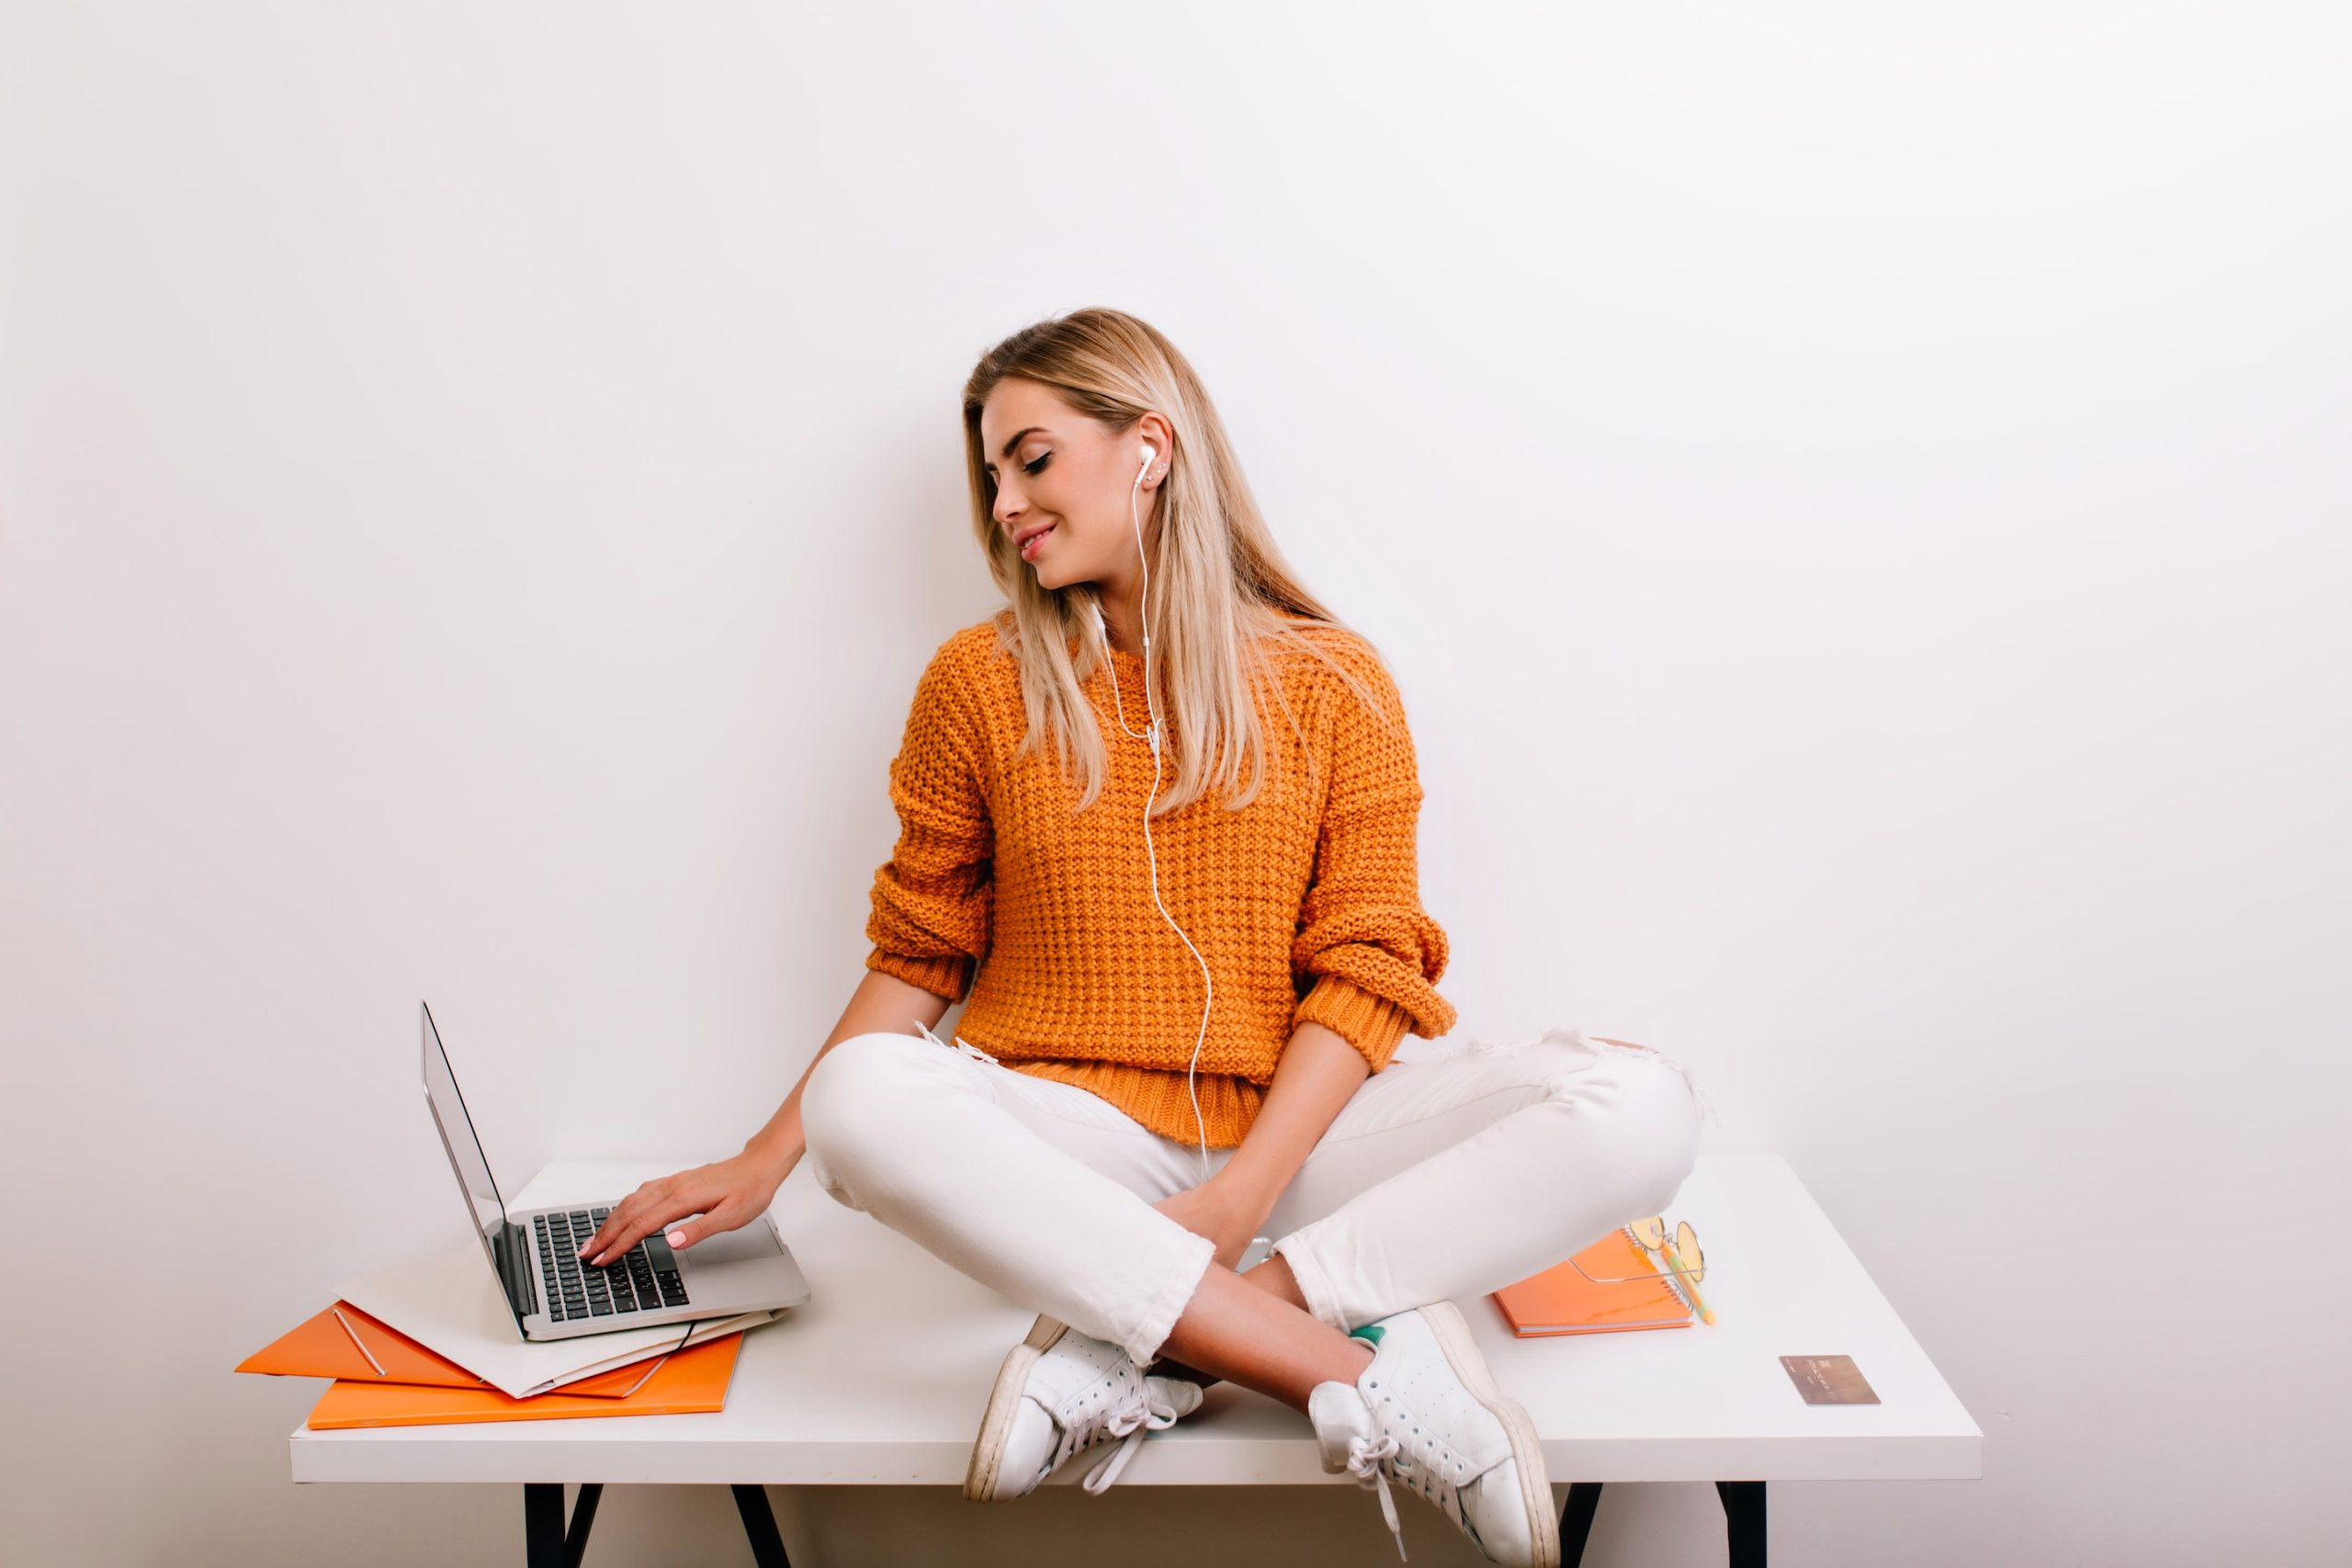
x: 1152, y: 734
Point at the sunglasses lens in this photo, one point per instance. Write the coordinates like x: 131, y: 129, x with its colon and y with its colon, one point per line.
x: 1650, y: 1232
x: 1686, y: 1242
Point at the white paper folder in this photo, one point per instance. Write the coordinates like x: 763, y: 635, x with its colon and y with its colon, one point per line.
x: 451, y: 1304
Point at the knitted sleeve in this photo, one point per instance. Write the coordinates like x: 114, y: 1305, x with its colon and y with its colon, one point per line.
x: 931, y: 900
x: 1366, y: 954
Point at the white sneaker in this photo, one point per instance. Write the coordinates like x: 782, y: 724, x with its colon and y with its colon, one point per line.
x: 1426, y: 1414
x: 1058, y: 1392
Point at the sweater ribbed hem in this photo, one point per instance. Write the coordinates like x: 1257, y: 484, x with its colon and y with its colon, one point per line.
x: 1372, y: 1023
x: 945, y: 977
x: 1159, y: 1101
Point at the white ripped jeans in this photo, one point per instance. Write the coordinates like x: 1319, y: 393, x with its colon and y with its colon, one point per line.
x: 1437, y: 1179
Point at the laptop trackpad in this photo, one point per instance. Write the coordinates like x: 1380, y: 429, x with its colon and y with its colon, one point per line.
x: 752, y: 1243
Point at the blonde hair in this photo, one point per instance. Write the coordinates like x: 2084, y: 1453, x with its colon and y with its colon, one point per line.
x: 1224, y: 604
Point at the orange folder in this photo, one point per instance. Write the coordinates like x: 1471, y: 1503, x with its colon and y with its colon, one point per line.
x: 325, y: 1347
x: 1562, y: 1300
x: 691, y: 1381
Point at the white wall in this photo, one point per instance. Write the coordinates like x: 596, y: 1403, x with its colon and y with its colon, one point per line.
x: 1854, y: 495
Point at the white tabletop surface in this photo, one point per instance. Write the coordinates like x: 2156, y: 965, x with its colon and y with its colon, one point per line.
x: 881, y: 1377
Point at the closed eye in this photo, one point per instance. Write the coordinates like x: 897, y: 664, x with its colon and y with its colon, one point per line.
x: 1032, y: 469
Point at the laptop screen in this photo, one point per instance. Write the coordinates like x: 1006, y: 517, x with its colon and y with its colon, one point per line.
x: 501, y: 1242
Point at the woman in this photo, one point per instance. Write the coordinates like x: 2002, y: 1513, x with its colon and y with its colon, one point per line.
x: 1158, y: 817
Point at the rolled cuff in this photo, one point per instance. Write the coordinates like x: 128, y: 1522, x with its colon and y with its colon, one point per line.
x: 1314, y: 1284
x: 1366, y: 1019
x: 1194, y: 1254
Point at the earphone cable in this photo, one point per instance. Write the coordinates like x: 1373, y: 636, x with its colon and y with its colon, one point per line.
x: 1208, y: 987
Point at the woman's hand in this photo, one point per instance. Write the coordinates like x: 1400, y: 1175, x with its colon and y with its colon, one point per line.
x: 1317, y: 1073
x: 725, y: 1194
x: 1220, y: 1212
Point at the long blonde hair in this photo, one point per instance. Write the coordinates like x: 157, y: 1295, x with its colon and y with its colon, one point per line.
x: 1223, y: 602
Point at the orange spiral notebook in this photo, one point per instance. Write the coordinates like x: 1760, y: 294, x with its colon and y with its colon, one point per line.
x: 690, y: 1382
x: 1562, y: 1300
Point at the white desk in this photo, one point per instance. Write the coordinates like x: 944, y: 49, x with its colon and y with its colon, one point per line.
x: 881, y: 1378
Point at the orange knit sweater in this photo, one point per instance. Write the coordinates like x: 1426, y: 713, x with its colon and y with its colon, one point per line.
x: 1305, y: 903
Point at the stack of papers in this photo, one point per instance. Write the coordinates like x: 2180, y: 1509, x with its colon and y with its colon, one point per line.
x: 455, y: 1356
x: 691, y: 1381
x: 452, y: 1304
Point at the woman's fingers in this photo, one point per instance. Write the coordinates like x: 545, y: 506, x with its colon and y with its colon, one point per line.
x: 639, y: 1215
x: 687, y: 1232
x: 619, y: 1219
x: 687, y: 1207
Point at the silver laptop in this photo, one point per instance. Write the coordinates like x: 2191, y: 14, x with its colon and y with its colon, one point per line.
x: 534, y: 1252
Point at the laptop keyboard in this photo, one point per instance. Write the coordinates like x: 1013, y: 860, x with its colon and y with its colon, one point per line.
x: 573, y: 1289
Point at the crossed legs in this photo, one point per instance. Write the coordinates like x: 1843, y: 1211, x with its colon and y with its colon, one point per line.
x: 1436, y: 1180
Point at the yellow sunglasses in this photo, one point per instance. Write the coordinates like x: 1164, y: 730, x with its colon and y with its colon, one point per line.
x: 1682, y: 1254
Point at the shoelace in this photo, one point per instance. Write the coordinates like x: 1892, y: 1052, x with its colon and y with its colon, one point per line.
x: 1128, y: 1421
x: 1422, y: 1473
x: 1364, y: 1462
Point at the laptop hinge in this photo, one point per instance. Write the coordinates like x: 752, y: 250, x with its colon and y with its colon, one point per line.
x: 517, y: 1268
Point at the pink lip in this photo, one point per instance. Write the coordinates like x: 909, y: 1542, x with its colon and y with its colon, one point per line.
x: 1028, y: 541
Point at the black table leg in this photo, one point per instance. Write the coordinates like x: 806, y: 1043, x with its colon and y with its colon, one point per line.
x: 547, y: 1543
x: 759, y: 1526
x: 1576, y: 1521
x: 583, y: 1516
x: 1743, y: 1521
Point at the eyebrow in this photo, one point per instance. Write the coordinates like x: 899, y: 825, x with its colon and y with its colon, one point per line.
x: 1017, y: 436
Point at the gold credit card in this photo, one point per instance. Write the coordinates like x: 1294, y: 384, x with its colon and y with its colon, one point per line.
x: 1828, y: 1380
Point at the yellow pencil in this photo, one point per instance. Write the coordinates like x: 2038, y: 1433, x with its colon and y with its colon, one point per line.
x: 1706, y: 1313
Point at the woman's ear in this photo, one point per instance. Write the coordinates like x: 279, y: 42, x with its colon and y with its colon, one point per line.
x: 1152, y: 428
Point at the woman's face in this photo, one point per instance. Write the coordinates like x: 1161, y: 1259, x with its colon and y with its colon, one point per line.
x: 1063, y: 485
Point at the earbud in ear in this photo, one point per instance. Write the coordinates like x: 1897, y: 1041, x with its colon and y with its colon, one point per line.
x: 1149, y: 452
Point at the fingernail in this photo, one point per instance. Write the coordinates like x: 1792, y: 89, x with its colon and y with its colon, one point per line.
x: 677, y: 1238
